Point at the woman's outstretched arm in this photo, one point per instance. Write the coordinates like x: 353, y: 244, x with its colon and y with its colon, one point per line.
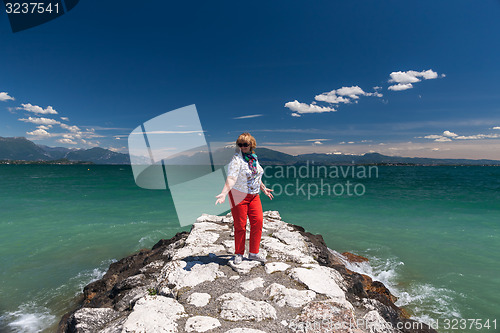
x: 267, y: 191
x: 225, y: 190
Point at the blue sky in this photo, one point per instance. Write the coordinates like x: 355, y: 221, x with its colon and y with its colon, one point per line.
x: 408, y: 78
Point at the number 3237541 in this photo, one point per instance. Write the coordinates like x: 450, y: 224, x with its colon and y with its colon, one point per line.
x: 31, y: 8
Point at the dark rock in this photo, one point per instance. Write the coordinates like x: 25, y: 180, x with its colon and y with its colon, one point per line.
x: 115, y: 284
x: 351, y: 257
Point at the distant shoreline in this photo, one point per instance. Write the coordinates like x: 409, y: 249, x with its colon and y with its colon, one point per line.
x: 52, y: 162
x: 68, y: 162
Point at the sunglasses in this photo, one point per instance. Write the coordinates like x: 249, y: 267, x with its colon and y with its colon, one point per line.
x: 242, y: 144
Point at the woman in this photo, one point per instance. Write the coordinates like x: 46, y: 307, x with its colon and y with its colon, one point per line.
x: 243, y: 183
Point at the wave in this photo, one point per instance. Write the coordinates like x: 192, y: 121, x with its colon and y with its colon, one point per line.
x: 32, y: 317
x: 426, y: 302
x: 29, y: 318
x: 88, y: 276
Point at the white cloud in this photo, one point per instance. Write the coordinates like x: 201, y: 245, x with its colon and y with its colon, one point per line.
x: 73, y: 128
x: 400, y: 86
x: 345, y: 95
x: 40, y: 121
x: 404, y: 80
x: 478, y: 137
x: 496, y: 127
x: 68, y: 141
x: 433, y: 136
x: 352, y: 92
x: 318, y: 142
x: 44, y: 127
x: 443, y: 139
x: 249, y: 116
x: 449, y: 134
x: 317, y: 139
x: 332, y: 98
x: 39, y: 133
x: 299, y: 108
x: 296, y: 115
x: 65, y: 118
x: 5, y: 97
x: 412, y: 76
x: 37, y: 109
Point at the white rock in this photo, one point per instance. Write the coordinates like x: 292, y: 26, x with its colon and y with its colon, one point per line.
x: 199, y: 299
x: 272, y: 225
x: 285, y: 252
x: 245, y: 266
x: 234, y: 277
x: 370, y: 304
x: 171, y: 248
x: 325, y: 316
x: 252, y: 284
x: 321, y: 279
x: 201, y: 324
x: 244, y: 330
x: 204, y: 226
x: 284, y: 323
x: 152, y: 266
x: 236, y: 307
x: 154, y: 314
x: 293, y: 238
x: 284, y: 296
x: 199, y: 242
x: 93, y: 319
x: 209, y: 218
x: 272, y: 214
x: 375, y: 323
x: 229, y: 245
x: 177, y: 273
x: 277, y: 266
x: 228, y: 219
x: 167, y: 292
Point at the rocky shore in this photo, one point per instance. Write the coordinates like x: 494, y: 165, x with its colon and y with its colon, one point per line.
x: 189, y: 284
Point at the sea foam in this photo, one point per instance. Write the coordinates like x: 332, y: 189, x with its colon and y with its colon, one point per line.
x: 29, y: 318
x: 426, y: 302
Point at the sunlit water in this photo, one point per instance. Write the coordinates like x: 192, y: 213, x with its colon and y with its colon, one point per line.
x: 431, y: 234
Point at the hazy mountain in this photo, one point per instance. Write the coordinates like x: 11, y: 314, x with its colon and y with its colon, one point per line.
x: 98, y: 156
x: 20, y: 148
x: 57, y: 152
x: 272, y: 157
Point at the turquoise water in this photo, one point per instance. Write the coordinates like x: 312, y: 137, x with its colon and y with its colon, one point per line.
x: 431, y: 233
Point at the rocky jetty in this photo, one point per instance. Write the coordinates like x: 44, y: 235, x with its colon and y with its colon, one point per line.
x: 189, y: 283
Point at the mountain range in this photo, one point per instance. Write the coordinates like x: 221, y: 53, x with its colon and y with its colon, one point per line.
x: 20, y: 148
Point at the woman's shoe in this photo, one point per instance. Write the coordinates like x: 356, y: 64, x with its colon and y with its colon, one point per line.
x: 257, y: 257
x: 238, y: 258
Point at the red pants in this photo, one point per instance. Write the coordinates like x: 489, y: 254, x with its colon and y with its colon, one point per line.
x: 247, y: 205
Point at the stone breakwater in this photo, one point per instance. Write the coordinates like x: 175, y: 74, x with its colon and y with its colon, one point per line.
x: 189, y: 284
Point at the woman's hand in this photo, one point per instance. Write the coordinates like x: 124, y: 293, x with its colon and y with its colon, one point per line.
x: 267, y: 191
x: 220, y: 198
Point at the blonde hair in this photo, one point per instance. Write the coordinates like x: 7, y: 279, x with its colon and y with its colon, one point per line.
x: 248, y: 138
